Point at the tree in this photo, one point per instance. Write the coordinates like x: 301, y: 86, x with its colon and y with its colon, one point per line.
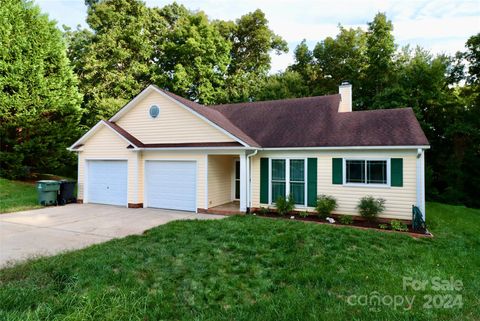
x: 190, y: 55
x: 340, y: 59
x: 251, y: 43
x: 39, y: 100
x: 130, y: 46
x: 288, y: 84
x: 380, y: 50
x: 113, y: 60
x: 304, y: 63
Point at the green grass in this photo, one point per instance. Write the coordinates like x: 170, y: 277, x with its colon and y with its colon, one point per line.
x: 17, y: 196
x: 251, y: 268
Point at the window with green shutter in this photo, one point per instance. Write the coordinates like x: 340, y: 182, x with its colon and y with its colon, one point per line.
x: 297, y: 180
x: 278, y: 179
x: 289, y: 177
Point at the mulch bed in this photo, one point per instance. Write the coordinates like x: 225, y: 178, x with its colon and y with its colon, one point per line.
x: 360, y: 224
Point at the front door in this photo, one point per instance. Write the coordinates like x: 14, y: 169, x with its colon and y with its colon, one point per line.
x: 237, y: 180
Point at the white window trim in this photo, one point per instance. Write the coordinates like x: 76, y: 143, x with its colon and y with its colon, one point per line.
x: 287, y: 178
x: 344, y: 172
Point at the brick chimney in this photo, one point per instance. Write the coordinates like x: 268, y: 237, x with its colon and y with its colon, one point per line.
x: 345, y: 91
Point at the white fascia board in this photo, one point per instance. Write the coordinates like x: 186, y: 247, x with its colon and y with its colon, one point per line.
x: 130, y: 104
x: 191, y: 148
x: 346, y: 148
x: 93, y: 130
x: 127, y: 107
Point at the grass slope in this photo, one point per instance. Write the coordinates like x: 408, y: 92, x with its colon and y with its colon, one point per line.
x: 250, y: 268
x: 17, y: 196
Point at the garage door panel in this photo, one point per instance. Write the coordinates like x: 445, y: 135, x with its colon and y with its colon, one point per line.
x: 107, y: 182
x: 171, y: 184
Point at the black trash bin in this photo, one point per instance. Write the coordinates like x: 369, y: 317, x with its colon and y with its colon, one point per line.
x: 67, y: 192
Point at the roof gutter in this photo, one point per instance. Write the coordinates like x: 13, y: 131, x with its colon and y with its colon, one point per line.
x: 349, y: 147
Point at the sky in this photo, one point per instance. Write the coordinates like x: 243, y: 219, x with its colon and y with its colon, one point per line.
x: 437, y: 25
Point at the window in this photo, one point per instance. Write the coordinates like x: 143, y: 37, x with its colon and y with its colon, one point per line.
x: 355, y: 171
x: 297, y: 180
x: 278, y: 179
x: 366, y: 172
x: 377, y: 172
x: 288, y: 177
x: 154, y: 111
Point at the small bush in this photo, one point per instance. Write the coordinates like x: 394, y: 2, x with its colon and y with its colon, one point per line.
x: 399, y: 226
x: 383, y: 226
x: 285, y: 205
x: 325, y: 205
x: 370, y: 207
x: 303, y: 214
x: 345, y: 219
x: 263, y: 210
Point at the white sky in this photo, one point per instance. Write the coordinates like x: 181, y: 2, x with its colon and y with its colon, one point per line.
x: 438, y: 25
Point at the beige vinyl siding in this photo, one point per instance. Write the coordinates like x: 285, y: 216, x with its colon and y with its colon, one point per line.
x: 106, y: 144
x: 174, y: 124
x: 221, y: 171
x: 399, y: 200
x: 199, y: 158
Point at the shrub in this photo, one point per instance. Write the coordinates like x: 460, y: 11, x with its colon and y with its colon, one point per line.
x: 325, y: 205
x: 303, y: 214
x: 285, y: 205
x: 346, y: 219
x: 399, y: 226
x: 263, y: 210
x: 369, y: 207
x: 383, y: 226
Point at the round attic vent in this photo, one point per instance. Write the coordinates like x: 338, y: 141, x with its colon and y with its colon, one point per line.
x: 154, y: 111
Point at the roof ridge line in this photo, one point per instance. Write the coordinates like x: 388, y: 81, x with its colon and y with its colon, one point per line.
x: 269, y: 101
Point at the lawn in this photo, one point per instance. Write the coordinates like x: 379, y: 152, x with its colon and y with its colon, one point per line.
x: 17, y: 196
x: 251, y: 268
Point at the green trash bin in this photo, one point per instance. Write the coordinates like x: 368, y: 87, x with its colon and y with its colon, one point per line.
x: 47, y: 192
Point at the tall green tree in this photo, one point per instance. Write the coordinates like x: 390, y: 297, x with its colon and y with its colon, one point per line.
x: 251, y: 41
x: 39, y: 99
x: 130, y: 46
x: 190, y: 55
x: 112, y: 60
x: 380, y: 49
x: 287, y: 84
x: 340, y: 59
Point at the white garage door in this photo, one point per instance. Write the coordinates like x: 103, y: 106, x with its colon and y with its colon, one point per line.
x: 107, y: 182
x: 171, y: 185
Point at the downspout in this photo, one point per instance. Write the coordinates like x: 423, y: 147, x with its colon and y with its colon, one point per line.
x: 249, y: 180
x: 421, y: 181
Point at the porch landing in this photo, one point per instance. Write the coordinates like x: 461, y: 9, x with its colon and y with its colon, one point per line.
x: 230, y: 208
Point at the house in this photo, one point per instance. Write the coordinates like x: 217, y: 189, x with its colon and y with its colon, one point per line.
x: 163, y: 151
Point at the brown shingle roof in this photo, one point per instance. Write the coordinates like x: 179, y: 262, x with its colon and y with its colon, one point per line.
x: 303, y: 122
x: 139, y: 144
x: 315, y: 122
x: 214, y: 116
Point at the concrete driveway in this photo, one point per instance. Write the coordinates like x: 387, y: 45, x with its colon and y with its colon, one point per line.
x: 52, y: 230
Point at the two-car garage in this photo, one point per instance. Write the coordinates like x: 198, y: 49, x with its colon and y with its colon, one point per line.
x: 167, y: 184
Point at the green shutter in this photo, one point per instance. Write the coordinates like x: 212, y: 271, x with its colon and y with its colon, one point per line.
x: 264, y: 180
x: 312, y: 182
x: 337, y: 170
x: 396, y: 171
